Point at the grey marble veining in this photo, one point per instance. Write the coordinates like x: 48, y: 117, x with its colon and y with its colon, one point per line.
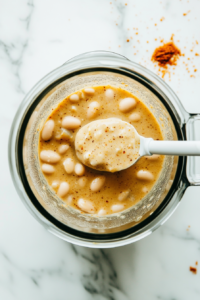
x: 36, y: 37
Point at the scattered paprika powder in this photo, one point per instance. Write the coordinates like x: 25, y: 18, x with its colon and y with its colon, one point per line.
x: 166, y: 54
x: 193, y: 270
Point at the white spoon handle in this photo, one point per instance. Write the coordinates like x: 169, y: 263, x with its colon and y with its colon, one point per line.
x: 181, y: 148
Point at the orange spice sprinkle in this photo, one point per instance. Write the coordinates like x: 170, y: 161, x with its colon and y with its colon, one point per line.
x: 195, y: 70
x: 166, y: 54
x: 196, y: 263
x: 193, y: 270
x: 127, y: 40
x: 196, y: 54
x: 185, y: 14
x: 164, y: 72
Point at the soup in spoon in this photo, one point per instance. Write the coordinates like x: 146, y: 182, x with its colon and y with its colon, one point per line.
x: 107, y: 145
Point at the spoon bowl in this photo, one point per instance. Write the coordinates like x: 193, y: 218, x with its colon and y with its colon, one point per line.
x: 113, y: 145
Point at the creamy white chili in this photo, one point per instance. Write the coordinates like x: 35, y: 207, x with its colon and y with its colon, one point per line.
x: 79, y: 185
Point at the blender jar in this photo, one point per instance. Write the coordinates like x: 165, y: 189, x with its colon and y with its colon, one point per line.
x: 93, y: 69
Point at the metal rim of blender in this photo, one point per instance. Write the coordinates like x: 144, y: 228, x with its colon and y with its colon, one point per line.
x: 104, y: 60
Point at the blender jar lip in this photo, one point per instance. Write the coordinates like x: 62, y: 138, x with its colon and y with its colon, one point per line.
x: 20, y: 117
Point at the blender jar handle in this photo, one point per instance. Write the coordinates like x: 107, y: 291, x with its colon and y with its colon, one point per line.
x: 100, y: 52
x: 193, y: 162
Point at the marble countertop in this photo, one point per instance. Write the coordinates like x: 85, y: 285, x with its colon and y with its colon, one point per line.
x: 36, y: 37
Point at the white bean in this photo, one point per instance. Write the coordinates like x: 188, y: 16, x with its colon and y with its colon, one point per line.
x: 86, y: 206
x: 63, y: 134
x: 55, y: 184
x: 124, y: 195
x: 97, y: 183
x: 145, y: 189
x: 93, y: 109
x: 109, y: 94
x: 102, y: 212
x: 89, y: 91
x: 145, y: 175
x: 135, y: 117
x: 69, y: 199
x: 79, y: 169
x: 63, y: 148
x: 117, y: 207
x: 74, y: 98
x: 49, y: 156
x: 82, y: 181
x: 70, y: 122
x: 73, y: 108
x: 63, y: 189
x: 47, y: 169
x: 68, y: 165
x: 127, y: 104
x: 47, y: 131
x: 153, y: 157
